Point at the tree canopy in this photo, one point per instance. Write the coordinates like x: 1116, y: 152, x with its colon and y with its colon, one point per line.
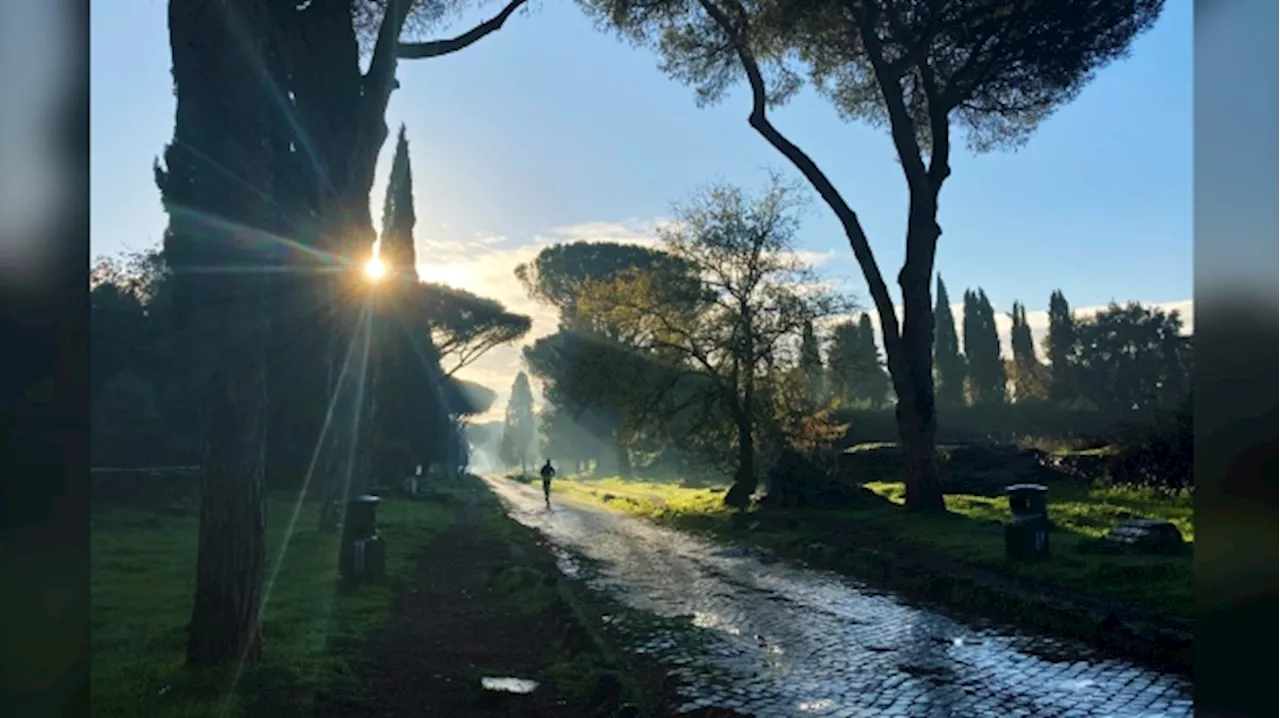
x: 465, y: 326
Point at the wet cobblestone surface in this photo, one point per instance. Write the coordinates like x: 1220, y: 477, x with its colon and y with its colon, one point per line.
x: 769, y: 639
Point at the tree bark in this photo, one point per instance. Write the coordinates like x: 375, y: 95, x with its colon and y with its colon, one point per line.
x: 223, y: 164
x: 744, y: 480
x: 231, y: 562
x: 916, y: 411
x: 911, y: 367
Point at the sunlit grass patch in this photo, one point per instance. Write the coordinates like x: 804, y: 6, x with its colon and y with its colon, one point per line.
x: 142, y: 584
x: 654, y: 499
x: 971, y: 531
x: 1089, y: 512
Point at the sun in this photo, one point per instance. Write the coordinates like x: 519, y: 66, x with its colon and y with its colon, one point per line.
x: 374, y: 269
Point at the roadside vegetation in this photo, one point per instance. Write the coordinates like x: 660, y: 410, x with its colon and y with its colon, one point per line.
x: 330, y: 647
x: 142, y: 582
x: 971, y: 531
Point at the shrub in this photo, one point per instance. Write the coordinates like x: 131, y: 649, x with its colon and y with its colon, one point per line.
x: 797, y: 480
x: 1156, y: 455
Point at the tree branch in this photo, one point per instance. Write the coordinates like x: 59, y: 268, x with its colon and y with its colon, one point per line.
x: 380, y: 80
x: 939, y: 132
x: 848, y: 218
x: 436, y: 48
x: 901, y: 125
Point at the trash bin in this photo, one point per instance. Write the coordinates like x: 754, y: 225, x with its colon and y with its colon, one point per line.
x: 1026, y: 536
x: 359, y: 535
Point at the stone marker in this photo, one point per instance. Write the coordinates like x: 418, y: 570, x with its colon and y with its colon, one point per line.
x: 1146, y: 536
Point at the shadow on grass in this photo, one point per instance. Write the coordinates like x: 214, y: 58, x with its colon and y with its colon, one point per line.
x: 142, y: 584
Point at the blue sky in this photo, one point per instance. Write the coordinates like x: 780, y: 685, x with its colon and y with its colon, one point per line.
x: 552, y: 129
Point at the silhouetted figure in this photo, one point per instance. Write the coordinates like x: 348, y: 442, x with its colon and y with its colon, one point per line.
x: 547, y: 473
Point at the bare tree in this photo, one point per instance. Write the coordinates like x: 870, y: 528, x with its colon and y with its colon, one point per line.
x: 755, y: 298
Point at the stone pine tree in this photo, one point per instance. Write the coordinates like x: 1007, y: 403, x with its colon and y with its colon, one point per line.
x: 949, y: 364
x: 982, y: 349
x: 1060, y: 346
x: 811, y: 362
x: 918, y: 68
x: 871, y: 384
x: 216, y: 184
x: 518, y: 427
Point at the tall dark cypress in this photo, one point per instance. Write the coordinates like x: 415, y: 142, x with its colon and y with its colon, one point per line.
x: 987, y: 377
x: 872, y: 383
x: 216, y: 184
x: 949, y: 363
x: 1061, y: 345
x: 1027, y: 384
x: 398, y: 216
x: 842, y: 369
x: 811, y: 362
x: 413, y: 421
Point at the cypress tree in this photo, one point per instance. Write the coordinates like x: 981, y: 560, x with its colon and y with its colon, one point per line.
x: 396, y: 248
x: 1060, y: 346
x: 982, y: 348
x: 811, y: 362
x: 518, y: 427
x: 1027, y: 382
x: 871, y: 383
x: 842, y: 363
x: 948, y: 361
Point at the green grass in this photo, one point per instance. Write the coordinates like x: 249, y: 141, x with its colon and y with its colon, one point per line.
x: 1086, y: 512
x: 143, y: 579
x: 971, y: 531
x: 700, y: 508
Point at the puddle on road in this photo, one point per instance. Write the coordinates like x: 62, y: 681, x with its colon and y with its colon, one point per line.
x: 773, y: 639
x: 508, y: 685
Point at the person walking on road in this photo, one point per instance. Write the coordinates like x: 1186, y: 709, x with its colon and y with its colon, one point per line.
x: 547, y: 473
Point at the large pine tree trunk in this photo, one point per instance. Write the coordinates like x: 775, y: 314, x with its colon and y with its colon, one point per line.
x: 349, y: 439
x: 912, y: 369
x: 222, y: 166
x: 343, y: 121
x: 232, y: 555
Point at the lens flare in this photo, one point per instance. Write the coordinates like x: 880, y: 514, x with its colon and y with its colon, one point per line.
x: 374, y: 269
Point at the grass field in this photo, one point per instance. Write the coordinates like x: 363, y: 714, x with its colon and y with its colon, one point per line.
x: 142, y: 582
x: 971, y: 531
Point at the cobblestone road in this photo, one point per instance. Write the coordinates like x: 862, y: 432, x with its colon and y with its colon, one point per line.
x: 769, y: 639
